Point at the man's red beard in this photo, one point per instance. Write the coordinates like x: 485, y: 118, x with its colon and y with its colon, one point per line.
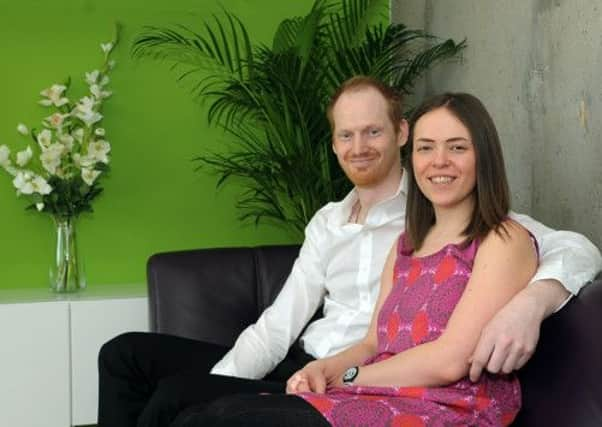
x: 371, y: 175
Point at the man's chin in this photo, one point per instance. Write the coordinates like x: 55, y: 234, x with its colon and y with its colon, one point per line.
x: 365, y: 179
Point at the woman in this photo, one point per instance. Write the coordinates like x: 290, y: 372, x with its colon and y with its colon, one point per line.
x: 459, y: 261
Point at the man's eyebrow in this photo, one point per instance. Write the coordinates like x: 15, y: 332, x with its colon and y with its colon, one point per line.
x: 362, y: 129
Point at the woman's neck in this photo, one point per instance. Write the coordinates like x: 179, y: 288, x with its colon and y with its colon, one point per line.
x: 449, y: 227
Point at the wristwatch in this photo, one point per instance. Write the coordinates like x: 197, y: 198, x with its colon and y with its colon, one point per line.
x: 350, y: 375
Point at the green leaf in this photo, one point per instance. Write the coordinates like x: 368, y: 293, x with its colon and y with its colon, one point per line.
x: 270, y: 101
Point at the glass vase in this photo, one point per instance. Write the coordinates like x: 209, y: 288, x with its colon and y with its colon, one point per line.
x: 67, y: 270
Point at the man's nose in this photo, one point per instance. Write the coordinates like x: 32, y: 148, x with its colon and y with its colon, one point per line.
x: 358, y: 145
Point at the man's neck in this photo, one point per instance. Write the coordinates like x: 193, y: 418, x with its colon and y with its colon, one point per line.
x: 370, y: 196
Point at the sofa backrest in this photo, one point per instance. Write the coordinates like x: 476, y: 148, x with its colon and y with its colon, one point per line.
x: 213, y: 294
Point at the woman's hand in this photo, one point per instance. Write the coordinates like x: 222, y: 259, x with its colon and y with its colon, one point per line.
x: 312, y: 377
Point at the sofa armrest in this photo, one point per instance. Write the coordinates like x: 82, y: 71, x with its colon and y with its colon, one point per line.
x: 562, y: 383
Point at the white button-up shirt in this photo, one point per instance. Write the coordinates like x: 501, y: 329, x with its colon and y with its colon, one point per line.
x: 340, y: 264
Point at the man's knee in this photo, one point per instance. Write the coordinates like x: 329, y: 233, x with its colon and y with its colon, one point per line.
x: 167, y: 400
x: 116, y: 349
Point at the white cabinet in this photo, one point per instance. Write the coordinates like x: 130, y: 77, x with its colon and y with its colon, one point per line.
x: 49, y: 347
x: 34, y: 365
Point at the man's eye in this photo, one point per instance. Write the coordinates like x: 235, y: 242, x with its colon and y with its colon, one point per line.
x: 374, y: 132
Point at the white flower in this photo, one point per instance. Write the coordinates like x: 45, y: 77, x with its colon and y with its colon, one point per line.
x: 78, y: 134
x: 22, y: 129
x: 22, y: 182
x: 89, y: 117
x: 51, y: 157
x: 111, y: 64
x: 24, y: 156
x: 56, y: 120
x: 85, y: 111
x: 104, y: 81
x: 86, y: 104
x: 4, y: 156
x: 83, y: 161
x: 67, y: 141
x: 99, y: 132
x: 98, y: 93
x: 41, y: 186
x: 39, y: 206
x: 26, y: 182
x: 98, y: 151
x: 92, y: 77
x: 106, y: 47
x: 45, y: 138
x: 89, y: 175
x: 54, y: 96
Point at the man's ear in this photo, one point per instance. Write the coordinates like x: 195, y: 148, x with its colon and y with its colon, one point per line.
x: 402, y: 133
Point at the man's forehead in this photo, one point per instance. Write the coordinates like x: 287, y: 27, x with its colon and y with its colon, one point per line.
x: 364, y: 105
x: 366, y: 94
x: 359, y: 125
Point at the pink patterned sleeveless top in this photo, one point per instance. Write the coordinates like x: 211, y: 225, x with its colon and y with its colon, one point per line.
x: 425, y: 292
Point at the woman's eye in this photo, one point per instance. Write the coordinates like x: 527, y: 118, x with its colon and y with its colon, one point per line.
x: 458, y: 148
x: 423, y: 148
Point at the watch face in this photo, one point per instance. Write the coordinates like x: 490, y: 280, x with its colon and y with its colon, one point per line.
x: 350, y: 374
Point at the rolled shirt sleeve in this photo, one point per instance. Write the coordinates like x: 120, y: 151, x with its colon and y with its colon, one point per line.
x: 565, y: 256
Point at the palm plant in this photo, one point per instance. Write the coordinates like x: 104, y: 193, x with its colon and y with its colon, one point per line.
x: 271, y: 100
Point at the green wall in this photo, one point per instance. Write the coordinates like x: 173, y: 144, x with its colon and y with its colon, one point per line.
x: 153, y: 199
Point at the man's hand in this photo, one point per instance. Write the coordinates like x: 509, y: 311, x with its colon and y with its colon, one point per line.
x: 509, y: 339
x: 311, y: 378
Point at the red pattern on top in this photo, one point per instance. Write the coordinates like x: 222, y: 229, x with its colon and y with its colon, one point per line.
x: 425, y: 291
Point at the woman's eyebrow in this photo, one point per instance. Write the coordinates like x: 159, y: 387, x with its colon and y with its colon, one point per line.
x: 453, y: 139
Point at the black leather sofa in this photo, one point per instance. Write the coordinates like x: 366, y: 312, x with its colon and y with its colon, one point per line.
x: 213, y: 294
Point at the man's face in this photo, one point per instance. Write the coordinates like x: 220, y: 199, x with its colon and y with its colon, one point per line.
x: 365, y: 141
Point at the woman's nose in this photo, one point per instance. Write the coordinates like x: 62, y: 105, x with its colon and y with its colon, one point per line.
x: 441, y: 157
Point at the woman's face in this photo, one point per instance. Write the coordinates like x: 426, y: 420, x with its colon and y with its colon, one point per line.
x: 444, y: 160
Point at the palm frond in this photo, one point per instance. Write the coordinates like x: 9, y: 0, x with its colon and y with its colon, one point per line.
x: 406, y: 71
x: 271, y: 100
x: 352, y: 20
x: 224, y: 49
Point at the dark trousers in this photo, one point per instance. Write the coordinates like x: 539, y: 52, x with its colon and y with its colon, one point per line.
x: 147, y: 379
x: 274, y: 410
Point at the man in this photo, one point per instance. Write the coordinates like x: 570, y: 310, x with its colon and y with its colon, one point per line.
x: 151, y: 378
